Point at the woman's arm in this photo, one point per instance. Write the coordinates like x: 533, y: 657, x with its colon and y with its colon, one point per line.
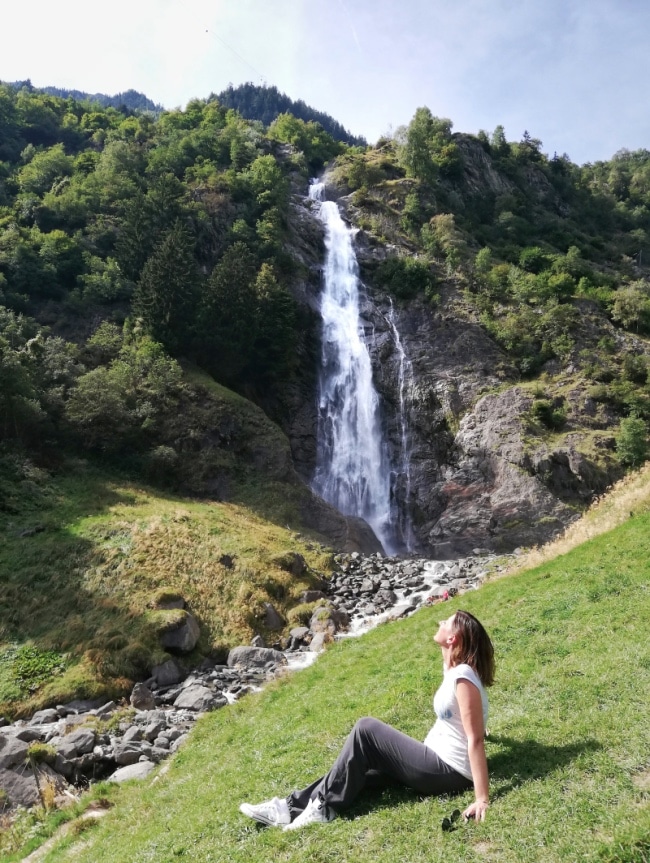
x: 471, y: 714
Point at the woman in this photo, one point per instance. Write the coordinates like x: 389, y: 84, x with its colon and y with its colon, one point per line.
x: 451, y: 759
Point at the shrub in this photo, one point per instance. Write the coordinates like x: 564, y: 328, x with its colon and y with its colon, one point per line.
x: 301, y: 614
x: 632, y: 442
x: 406, y: 277
x: 551, y: 417
x: 41, y: 753
x: 635, y: 368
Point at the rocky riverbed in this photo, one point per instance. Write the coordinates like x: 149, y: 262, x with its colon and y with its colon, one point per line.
x: 63, y: 748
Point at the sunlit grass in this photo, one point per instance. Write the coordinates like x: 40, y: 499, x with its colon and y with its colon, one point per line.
x: 568, y: 746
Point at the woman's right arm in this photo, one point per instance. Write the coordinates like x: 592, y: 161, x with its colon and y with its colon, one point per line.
x: 471, y: 714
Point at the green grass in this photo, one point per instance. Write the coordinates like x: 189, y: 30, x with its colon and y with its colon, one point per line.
x: 82, y: 568
x: 568, y: 751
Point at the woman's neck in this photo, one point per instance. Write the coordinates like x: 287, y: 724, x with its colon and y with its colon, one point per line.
x: 446, y: 657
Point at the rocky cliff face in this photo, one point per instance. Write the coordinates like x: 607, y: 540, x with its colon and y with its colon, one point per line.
x: 482, y: 474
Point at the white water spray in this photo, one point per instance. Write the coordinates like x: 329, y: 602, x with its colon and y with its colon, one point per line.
x: 401, y: 496
x: 352, y: 464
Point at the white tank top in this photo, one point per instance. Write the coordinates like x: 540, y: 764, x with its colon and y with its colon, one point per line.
x: 447, y: 738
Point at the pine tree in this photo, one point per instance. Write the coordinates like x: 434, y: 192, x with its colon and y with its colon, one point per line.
x: 165, y: 295
x: 227, y: 319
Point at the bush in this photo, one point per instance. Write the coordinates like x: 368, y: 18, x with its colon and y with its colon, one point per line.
x: 635, y: 368
x: 405, y: 278
x: 632, y: 442
x: 551, y: 417
x: 300, y: 615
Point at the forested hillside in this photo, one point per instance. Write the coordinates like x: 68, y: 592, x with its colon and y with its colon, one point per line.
x: 267, y: 103
x: 130, y: 100
x: 125, y: 242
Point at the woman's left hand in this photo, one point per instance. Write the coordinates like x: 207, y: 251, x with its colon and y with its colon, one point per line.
x: 477, y: 810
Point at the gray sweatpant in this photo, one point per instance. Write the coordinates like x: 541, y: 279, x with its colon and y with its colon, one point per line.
x: 376, y: 754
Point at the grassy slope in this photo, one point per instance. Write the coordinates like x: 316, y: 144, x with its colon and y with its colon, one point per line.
x: 568, y: 748
x: 82, y: 585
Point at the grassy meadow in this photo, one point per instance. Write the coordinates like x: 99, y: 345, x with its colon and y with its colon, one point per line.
x: 568, y: 748
x: 84, y: 560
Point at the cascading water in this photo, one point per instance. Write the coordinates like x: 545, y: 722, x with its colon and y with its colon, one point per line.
x: 352, y: 464
x: 401, y: 484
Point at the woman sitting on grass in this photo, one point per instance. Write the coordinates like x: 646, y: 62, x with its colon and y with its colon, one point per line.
x: 451, y: 759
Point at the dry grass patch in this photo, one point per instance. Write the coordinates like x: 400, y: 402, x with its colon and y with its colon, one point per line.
x: 629, y: 496
x: 642, y: 780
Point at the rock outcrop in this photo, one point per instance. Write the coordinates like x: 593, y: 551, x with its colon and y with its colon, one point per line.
x: 476, y: 478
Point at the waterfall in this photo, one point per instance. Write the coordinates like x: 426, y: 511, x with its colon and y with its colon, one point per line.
x: 401, y: 483
x: 353, y: 469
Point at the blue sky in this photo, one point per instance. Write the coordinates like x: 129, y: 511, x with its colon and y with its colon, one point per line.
x: 570, y: 72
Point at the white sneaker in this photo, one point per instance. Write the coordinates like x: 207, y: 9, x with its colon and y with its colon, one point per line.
x: 273, y: 813
x: 315, y: 813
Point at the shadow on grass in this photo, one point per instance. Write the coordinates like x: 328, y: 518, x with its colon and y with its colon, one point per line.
x: 43, y: 597
x: 520, y: 761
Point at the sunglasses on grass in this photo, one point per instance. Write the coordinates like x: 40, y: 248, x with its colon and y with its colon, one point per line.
x: 450, y: 823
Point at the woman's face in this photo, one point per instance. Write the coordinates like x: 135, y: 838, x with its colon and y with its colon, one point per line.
x: 445, y: 632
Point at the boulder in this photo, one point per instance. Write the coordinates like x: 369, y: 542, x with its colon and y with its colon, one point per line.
x: 12, y: 751
x: 139, y: 770
x: 20, y: 789
x: 153, y: 729
x: 169, y: 673
x: 318, y: 642
x: 142, y: 698
x: 183, y: 635
x: 106, y: 709
x: 291, y: 561
x: 42, y: 717
x: 312, y: 596
x: 30, y: 733
x: 255, y: 657
x: 272, y: 620
x: 133, y: 733
x: 82, y: 705
x: 258, y: 641
x: 200, y: 698
x: 130, y: 752
x: 75, y: 744
x: 328, y: 619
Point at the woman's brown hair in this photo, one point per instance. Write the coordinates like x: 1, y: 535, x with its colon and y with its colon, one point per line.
x: 473, y: 646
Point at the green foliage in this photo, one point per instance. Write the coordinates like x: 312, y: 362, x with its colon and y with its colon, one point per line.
x: 631, y: 306
x: 357, y: 171
x: 227, y: 318
x: 632, y: 442
x: 167, y: 290
x: 115, y: 408
x: 406, y: 278
x: 267, y: 103
x: 21, y: 414
x: 43, y: 169
x: 308, y: 137
x: 546, y: 413
x: 427, y: 149
x: 41, y: 753
x: 635, y: 368
x: 533, y: 259
x: 30, y: 667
